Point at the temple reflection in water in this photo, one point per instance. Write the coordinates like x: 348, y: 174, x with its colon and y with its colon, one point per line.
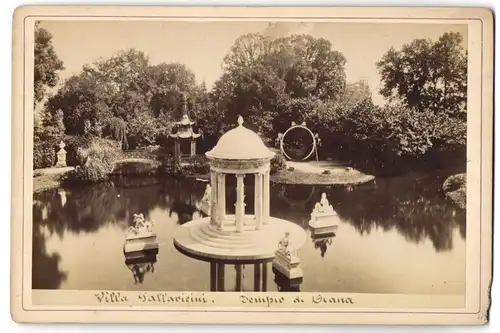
x: 409, y: 214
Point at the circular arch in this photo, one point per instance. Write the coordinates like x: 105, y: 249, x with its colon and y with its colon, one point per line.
x: 297, y: 127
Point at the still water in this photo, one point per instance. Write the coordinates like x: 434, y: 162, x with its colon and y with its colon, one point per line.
x: 396, y: 235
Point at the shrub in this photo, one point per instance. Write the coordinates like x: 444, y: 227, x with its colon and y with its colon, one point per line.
x: 76, y: 146
x: 195, y: 165
x: 200, y: 164
x: 172, y: 167
x: 278, y: 163
x: 100, y: 161
x: 44, y: 155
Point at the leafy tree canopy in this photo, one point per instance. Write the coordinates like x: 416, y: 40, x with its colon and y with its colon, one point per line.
x: 47, y: 64
x: 147, y: 98
x: 261, y: 73
x: 428, y: 75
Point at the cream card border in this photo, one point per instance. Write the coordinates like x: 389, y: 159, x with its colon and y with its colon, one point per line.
x: 83, y: 306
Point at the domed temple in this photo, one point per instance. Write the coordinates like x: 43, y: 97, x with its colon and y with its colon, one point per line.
x: 242, y: 238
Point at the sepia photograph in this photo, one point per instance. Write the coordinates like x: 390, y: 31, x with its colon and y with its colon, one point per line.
x: 313, y: 161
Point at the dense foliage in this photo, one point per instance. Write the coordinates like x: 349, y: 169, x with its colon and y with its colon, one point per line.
x: 273, y: 82
x: 262, y: 76
x: 278, y: 163
x: 126, y: 99
x: 427, y: 75
x: 100, y: 160
x: 44, y: 155
x: 47, y: 64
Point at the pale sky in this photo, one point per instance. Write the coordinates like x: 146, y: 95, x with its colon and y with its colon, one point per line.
x: 201, y: 46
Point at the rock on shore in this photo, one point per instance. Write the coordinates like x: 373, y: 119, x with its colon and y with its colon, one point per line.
x: 455, y: 188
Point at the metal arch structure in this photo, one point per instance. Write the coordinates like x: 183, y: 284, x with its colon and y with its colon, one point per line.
x: 314, y: 148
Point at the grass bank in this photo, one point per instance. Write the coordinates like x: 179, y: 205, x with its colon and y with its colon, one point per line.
x: 340, y: 178
x: 47, y: 181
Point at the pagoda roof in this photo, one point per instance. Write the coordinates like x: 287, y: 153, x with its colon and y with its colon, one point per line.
x: 185, y: 135
x: 185, y: 121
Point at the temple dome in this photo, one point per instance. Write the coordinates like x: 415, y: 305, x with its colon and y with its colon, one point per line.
x: 240, y: 143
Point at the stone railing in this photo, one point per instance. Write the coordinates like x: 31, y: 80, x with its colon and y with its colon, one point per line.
x: 139, y: 154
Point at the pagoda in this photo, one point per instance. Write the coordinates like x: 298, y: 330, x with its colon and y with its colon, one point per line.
x: 183, y: 134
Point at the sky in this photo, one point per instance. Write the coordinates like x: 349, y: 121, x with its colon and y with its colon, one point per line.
x: 201, y: 46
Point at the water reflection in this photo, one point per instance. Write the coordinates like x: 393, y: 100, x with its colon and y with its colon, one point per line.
x: 322, y: 242
x: 390, y: 216
x: 47, y: 273
x: 140, y: 264
x: 284, y: 284
x: 414, y: 207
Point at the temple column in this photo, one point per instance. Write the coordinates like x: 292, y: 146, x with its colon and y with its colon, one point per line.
x: 193, y: 147
x: 265, y: 197
x: 240, y: 202
x: 221, y: 199
x: 258, y: 200
x: 213, y: 197
x: 176, y: 149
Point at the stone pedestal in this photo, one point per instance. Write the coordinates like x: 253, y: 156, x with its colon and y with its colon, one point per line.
x: 323, y: 223
x: 140, y: 237
x: 288, y: 266
x: 143, y: 241
x: 324, y: 220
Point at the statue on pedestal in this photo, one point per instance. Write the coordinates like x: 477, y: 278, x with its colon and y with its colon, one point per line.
x: 286, y: 247
x: 140, y: 236
x: 323, y: 218
x: 61, y: 156
x: 286, y: 261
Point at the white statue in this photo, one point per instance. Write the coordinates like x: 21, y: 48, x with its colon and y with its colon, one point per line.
x: 286, y: 247
x: 325, y: 205
x: 61, y: 156
x: 277, y: 141
x: 207, y: 194
x: 140, y: 224
x: 139, y: 221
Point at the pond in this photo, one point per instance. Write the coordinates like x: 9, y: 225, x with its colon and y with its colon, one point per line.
x: 396, y: 235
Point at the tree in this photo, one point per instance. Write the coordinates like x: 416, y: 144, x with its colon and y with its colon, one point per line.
x: 121, y: 78
x: 47, y: 64
x: 261, y: 73
x: 117, y: 130
x: 167, y: 85
x: 427, y: 75
x: 82, y: 101
x: 355, y: 93
x: 124, y: 97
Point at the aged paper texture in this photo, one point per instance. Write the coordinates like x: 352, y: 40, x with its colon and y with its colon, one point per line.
x: 252, y: 165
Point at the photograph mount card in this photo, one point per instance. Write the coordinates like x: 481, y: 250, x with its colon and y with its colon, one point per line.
x: 253, y: 165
